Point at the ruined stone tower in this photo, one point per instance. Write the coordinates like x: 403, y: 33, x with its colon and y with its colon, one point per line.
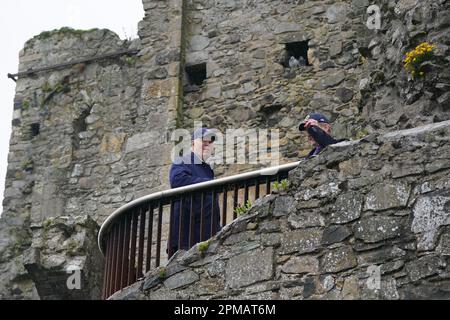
x: 93, y: 132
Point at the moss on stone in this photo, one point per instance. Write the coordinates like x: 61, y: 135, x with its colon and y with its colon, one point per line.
x: 203, y: 246
x: 47, y: 223
x: 25, y: 105
x: 62, y: 31
x: 27, y: 165
x: 162, y: 273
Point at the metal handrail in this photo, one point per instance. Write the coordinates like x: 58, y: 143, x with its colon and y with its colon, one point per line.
x: 72, y: 63
x: 130, y: 234
x: 191, y: 188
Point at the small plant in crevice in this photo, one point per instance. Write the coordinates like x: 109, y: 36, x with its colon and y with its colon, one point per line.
x: 47, y: 223
x: 162, y: 273
x: 25, y: 105
x: 27, y: 165
x: 418, y: 60
x: 203, y: 246
x: 281, y: 186
x: 129, y: 60
x: 243, y: 209
x: 62, y: 87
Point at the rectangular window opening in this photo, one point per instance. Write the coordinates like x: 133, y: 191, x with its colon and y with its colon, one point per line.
x: 35, y: 129
x: 196, y: 74
x: 296, y: 54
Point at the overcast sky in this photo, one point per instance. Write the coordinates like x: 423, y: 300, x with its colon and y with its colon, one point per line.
x: 20, y: 20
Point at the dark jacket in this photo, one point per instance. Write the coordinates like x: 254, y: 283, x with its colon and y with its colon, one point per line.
x: 322, y: 138
x: 187, y: 172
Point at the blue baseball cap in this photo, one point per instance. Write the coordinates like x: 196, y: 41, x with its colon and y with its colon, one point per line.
x: 203, y: 133
x: 316, y: 116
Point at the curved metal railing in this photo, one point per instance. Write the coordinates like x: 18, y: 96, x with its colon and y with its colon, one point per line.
x: 131, y: 237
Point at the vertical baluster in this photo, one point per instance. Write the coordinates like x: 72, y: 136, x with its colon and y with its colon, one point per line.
x: 158, y: 239
x: 114, y: 260
x: 256, y: 189
x: 171, y: 223
x: 110, y: 262
x: 213, y: 214
x: 149, y: 237
x: 118, y: 285
x: 106, y: 271
x: 202, y: 217
x: 224, y: 207
x: 235, y: 200
x: 126, y: 251
x: 132, y: 266
x: 191, y: 223
x: 245, y: 192
x: 180, y: 225
x: 267, y: 185
x: 141, y: 244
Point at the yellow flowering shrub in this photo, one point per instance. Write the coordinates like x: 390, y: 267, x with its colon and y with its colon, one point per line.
x: 416, y: 57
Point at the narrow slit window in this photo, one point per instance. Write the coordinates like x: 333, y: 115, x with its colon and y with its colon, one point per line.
x: 296, y: 54
x: 196, y: 74
x: 35, y: 128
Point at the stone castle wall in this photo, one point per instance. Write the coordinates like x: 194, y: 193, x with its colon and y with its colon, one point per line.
x: 90, y: 138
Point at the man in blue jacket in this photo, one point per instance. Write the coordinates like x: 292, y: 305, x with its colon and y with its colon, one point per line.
x: 318, y: 128
x: 188, y: 170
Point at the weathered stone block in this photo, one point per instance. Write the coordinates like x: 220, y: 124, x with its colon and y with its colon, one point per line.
x: 350, y: 290
x: 378, y: 228
x: 142, y: 141
x: 344, y: 94
x: 332, y: 80
x: 198, y: 43
x: 337, y: 13
x: 162, y: 88
x: 301, y: 265
x: 283, y: 206
x: 181, y: 279
x: 249, y: 267
x: 334, y: 234
x: 424, y: 267
x: 387, y: 196
x: 347, y: 208
x: 431, y: 211
x: 301, y: 241
x: 338, y: 260
x: 284, y: 27
x: 304, y: 219
x: 112, y: 143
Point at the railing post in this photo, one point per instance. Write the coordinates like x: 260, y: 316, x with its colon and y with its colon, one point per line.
x: 158, y: 238
x: 213, y: 214
x: 267, y: 185
x: 149, y: 237
x: 180, y: 225
x: 224, y: 207
x: 114, y: 260
x: 169, y: 240
x: 126, y: 252
x: 256, y: 189
x: 245, y: 193
x: 106, y: 272
x: 141, y: 243
x: 202, y: 217
x: 132, y: 266
x: 118, y: 285
x: 235, y: 200
x: 191, y: 223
